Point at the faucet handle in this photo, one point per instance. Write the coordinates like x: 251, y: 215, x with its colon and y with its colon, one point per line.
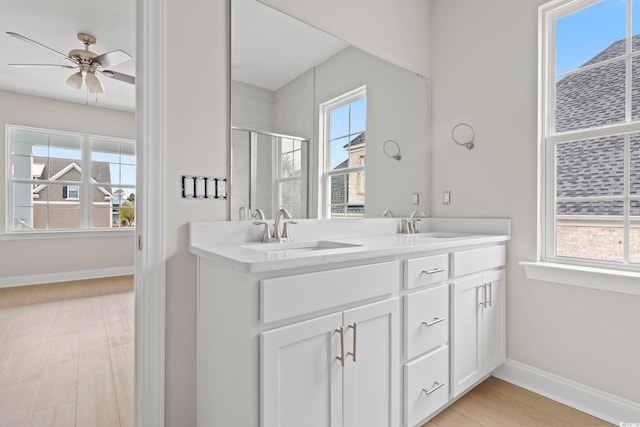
x: 285, y: 230
x: 266, y: 235
x: 406, y: 226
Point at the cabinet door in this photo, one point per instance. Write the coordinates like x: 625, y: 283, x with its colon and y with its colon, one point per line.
x: 493, y: 322
x: 466, y: 334
x: 301, y: 377
x: 372, y: 370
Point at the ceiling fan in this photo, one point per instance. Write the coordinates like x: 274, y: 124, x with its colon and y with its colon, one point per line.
x: 86, y: 62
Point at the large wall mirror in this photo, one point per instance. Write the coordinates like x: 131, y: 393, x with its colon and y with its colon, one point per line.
x: 320, y: 127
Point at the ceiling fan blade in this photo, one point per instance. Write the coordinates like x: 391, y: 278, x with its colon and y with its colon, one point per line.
x: 35, y: 43
x: 41, y: 65
x: 111, y: 59
x: 93, y: 83
x: 119, y: 76
x: 75, y: 80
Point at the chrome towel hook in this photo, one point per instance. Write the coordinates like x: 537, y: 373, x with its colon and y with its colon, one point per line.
x: 463, y: 134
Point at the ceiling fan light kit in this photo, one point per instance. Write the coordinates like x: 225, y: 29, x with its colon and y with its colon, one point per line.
x: 86, y: 62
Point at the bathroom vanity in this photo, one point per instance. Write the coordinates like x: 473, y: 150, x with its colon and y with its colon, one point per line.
x: 349, y: 324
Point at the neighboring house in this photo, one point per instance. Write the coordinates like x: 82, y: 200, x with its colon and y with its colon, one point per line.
x: 595, y: 167
x: 354, y: 188
x: 58, y: 206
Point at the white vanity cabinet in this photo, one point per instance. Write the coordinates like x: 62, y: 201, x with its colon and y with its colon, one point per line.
x: 478, y: 302
x: 336, y: 370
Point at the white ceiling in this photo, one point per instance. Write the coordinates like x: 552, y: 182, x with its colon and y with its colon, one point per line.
x: 55, y: 23
x: 269, y: 48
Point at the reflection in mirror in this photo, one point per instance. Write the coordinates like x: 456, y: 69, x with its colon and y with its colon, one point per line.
x: 289, y: 78
x: 270, y: 172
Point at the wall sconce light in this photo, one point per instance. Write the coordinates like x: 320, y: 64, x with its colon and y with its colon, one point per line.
x: 388, y: 149
x: 463, y: 134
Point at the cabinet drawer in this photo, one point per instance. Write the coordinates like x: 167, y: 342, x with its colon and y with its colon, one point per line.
x: 426, y: 386
x: 426, y: 271
x: 467, y: 262
x: 290, y: 296
x: 427, y: 320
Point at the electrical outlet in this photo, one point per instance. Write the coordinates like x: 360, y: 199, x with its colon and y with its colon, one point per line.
x: 415, y: 199
x: 446, y: 197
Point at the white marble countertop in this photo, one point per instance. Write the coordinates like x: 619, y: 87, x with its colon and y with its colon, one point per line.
x: 317, y: 242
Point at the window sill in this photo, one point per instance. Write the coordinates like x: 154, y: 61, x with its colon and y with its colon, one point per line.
x: 626, y: 282
x: 40, y: 235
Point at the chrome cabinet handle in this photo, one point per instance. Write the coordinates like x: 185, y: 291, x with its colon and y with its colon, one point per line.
x: 355, y: 331
x: 436, y: 385
x: 433, y: 271
x: 483, y: 295
x: 433, y: 322
x: 341, y: 357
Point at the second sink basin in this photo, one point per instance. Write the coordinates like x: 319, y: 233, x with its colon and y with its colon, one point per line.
x: 297, y: 247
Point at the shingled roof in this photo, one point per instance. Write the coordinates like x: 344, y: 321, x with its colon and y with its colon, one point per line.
x: 595, y: 167
x: 100, y: 171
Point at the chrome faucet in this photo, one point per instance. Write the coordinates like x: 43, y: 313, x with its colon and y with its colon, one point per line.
x: 276, y: 235
x: 409, y: 225
x: 282, y: 213
x: 258, y: 214
x: 387, y: 213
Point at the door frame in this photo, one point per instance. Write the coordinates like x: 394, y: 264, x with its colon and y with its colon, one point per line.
x: 150, y: 258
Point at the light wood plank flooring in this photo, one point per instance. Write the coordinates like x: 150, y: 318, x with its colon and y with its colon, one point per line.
x: 66, y: 354
x: 496, y: 403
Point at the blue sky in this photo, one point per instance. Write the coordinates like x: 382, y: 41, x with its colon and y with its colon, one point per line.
x: 582, y: 35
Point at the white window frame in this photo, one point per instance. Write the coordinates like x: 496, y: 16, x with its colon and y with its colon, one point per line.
x: 85, y: 186
x: 325, y: 172
x: 76, y: 190
x: 612, y: 276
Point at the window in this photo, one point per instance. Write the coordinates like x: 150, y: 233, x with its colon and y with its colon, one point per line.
x: 69, y: 181
x: 343, y: 151
x: 590, y: 130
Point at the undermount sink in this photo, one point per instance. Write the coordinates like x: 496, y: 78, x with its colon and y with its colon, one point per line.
x: 297, y: 247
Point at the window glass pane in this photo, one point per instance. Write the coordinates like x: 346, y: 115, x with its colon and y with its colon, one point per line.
x: 338, y: 153
x: 24, y: 168
x: 593, y: 167
x: 358, y: 116
x: 590, y: 230
x: 286, y: 145
x: 286, y: 165
x: 120, y: 205
x: 63, y: 217
x: 127, y: 175
x: 634, y: 165
x: 339, y: 122
x: 594, y: 97
x: 591, y: 35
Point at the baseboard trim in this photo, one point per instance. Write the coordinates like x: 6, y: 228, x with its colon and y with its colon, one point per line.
x: 64, y: 276
x: 595, y: 402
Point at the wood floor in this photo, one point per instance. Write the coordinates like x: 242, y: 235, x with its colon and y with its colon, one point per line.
x: 66, y: 354
x: 495, y: 403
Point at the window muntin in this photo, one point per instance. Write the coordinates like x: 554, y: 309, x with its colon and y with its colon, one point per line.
x: 590, y: 122
x: 344, y: 153
x: 64, y: 181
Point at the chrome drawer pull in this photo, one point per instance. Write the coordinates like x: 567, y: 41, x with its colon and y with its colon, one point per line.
x: 434, y: 321
x: 434, y: 271
x: 341, y: 357
x: 436, y: 385
x: 355, y: 330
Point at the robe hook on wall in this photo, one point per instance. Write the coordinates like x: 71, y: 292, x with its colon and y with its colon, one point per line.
x: 463, y: 134
x: 386, y: 150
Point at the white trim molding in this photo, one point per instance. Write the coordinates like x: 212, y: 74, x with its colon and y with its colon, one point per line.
x: 150, y: 258
x: 595, y: 402
x: 622, y: 281
x: 64, y: 276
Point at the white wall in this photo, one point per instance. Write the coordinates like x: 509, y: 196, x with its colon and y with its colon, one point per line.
x: 197, y: 139
x: 484, y: 72
x: 65, y: 254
